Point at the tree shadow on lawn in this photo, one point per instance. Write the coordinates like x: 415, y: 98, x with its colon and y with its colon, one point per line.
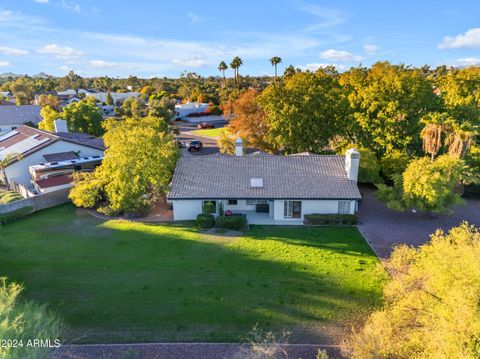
x: 120, y: 281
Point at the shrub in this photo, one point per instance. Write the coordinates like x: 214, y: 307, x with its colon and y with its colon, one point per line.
x: 236, y: 222
x: 9, y: 196
x: 221, y: 209
x: 208, y: 207
x: 330, y: 219
x: 14, y: 215
x: 205, y: 220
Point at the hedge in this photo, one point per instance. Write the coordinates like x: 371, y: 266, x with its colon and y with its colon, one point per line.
x: 205, y: 220
x: 14, y: 215
x: 235, y: 222
x: 330, y: 219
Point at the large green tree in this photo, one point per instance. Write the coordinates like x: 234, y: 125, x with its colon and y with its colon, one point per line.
x: 137, y: 168
x: 49, y: 115
x: 432, y: 307
x: 388, y: 102
x: 304, y: 111
x: 83, y: 116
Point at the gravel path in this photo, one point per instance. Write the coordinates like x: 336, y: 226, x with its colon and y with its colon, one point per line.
x: 383, y: 228
x: 182, y: 351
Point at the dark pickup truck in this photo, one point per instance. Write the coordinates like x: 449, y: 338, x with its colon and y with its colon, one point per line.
x: 194, y: 145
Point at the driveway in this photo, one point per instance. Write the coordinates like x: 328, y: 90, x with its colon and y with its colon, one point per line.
x: 209, y: 144
x: 384, y: 228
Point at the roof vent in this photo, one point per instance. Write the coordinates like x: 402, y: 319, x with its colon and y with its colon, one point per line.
x: 256, y: 182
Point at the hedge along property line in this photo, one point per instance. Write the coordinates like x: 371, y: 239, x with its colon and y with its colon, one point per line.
x: 330, y: 219
x: 16, y: 214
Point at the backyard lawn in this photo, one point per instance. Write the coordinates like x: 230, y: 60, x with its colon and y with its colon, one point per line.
x: 211, y: 132
x: 120, y: 281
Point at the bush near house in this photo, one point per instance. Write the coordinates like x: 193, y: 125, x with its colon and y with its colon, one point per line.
x: 9, y: 196
x: 205, y: 220
x: 235, y: 222
x: 330, y: 219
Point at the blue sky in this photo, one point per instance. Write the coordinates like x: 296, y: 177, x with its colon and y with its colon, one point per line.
x: 164, y: 38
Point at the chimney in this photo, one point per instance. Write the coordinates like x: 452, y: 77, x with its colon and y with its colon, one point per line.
x: 238, y: 147
x: 60, y: 125
x: 352, y: 163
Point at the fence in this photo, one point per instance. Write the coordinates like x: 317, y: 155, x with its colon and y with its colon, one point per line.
x: 38, y: 203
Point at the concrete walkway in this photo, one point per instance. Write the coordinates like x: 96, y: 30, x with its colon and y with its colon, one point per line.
x: 384, y: 228
x: 185, y: 351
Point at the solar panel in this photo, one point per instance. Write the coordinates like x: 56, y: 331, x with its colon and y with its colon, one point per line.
x: 8, y: 135
x: 22, y: 146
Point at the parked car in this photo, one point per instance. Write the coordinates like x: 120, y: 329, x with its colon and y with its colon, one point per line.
x: 194, y: 145
x: 206, y: 125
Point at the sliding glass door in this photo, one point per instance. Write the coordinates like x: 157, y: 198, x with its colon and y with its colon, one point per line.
x: 292, y: 209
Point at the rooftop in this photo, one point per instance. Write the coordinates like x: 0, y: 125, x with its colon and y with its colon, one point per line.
x: 283, y: 177
x: 19, y: 114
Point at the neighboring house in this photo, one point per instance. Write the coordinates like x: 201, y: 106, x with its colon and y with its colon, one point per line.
x: 118, y: 97
x: 269, y: 189
x: 12, y: 117
x: 32, y: 147
x: 184, y: 109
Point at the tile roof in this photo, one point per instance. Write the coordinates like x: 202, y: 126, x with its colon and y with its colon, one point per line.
x: 82, y: 139
x: 284, y: 177
x: 19, y: 114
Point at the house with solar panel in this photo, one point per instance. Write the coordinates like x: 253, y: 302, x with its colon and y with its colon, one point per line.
x: 37, y: 161
x: 269, y: 189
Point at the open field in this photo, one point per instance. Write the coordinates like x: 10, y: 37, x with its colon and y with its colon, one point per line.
x: 120, y: 281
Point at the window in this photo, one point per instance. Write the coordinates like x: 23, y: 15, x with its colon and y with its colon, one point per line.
x: 292, y: 209
x: 232, y: 202
x: 343, y: 207
x: 253, y: 202
x: 209, y: 206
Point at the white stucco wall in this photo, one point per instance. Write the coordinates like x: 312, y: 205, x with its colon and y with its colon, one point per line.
x: 311, y: 207
x: 186, y: 209
x: 19, y: 170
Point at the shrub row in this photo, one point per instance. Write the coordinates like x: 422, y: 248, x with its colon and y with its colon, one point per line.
x: 9, y: 196
x: 235, y: 222
x: 330, y: 219
x: 14, y: 215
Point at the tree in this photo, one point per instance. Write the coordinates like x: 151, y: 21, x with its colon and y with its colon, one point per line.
x: 249, y: 121
x: 133, y: 107
x: 427, y: 186
x: 109, y: 99
x: 49, y: 115
x: 222, y: 66
x: 24, y: 90
x: 275, y: 61
x: 460, y: 138
x: 432, y: 301
x: 304, y: 112
x: 137, y: 168
x: 71, y: 81
x: 436, y: 125
x: 83, y: 116
x: 388, y: 102
x: 48, y: 100
x: 25, y: 321
x: 235, y: 65
x: 369, y: 171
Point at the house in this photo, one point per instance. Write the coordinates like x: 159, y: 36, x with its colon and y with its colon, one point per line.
x: 118, y: 97
x: 30, y: 147
x: 184, y: 109
x: 269, y: 189
x: 12, y: 117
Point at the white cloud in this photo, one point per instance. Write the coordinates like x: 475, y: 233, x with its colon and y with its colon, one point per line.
x: 192, y: 61
x: 4, y: 63
x: 194, y: 18
x: 467, y: 61
x: 11, y: 51
x: 102, y: 64
x: 315, y: 66
x: 468, y: 40
x: 371, y: 49
x: 41, y: 1
x: 60, y: 52
x: 337, y: 55
x: 328, y: 17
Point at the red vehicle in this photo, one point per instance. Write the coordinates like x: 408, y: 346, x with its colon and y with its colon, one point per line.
x: 205, y: 125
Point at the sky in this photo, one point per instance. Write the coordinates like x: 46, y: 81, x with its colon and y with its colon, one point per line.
x: 165, y: 38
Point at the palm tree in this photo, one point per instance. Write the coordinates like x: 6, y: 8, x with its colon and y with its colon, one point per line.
x: 222, y: 66
x: 275, y: 61
x: 460, y: 139
x: 436, y: 124
x: 235, y: 64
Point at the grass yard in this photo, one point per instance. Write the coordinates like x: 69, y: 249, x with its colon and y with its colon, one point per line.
x: 210, y: 132
x: 120, y: 281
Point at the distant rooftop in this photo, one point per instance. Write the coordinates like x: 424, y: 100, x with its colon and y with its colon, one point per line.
x: 19, y: 114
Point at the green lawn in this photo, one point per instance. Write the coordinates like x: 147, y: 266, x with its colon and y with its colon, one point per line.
x: 211, y: 132
x: 120, y: 281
